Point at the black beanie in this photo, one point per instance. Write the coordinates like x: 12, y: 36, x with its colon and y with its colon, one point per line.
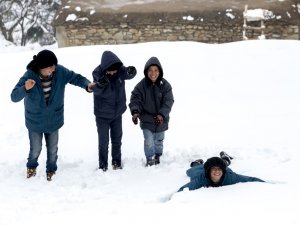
x: 45, y: 58
x: 211, y: 162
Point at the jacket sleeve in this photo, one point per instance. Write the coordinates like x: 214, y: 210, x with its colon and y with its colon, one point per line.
x: 195, y: 171
x: 237, y: 178
x: 243, y: 178
x: 136, y: 99
x: 96, y: 73
x: 19, y: 92
x: 168, y: 100
x: 75, y: 79
x: 128, y: 74
x: 193, y: 184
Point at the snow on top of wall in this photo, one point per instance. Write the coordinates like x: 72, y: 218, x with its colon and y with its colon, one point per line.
x: 71, y: 17
x: 258, y: 14
x: 189, y: 18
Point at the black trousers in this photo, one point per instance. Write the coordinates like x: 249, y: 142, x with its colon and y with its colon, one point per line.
x: 113, y: 129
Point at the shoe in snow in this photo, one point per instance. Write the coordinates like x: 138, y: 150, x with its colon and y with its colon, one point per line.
x: 226, y: 158
x: 117, y: 166
x: 196, y: 162
x: 31, y: 172
x: 103, y: 167
x: 50, y: 175
x: 157, y: 159
x: 150, y: 161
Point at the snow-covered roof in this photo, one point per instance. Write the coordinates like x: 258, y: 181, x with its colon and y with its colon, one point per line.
x: 94, y: 10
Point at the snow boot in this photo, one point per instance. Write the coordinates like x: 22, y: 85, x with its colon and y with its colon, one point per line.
x: 196, y: 162
x: 226, y: 158
x: 31, y: 172
x: 150, y: 161
x: 103, y: 167
x: 117, y: 165
x: 157, y: 159
x: 50, y: 175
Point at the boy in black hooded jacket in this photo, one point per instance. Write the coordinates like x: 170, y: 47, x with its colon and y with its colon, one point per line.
x: 109, y: 105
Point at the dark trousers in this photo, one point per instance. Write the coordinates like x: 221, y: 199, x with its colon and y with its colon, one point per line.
x: 114, y: 129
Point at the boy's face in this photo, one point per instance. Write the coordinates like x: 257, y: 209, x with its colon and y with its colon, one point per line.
x: 47, y: 72
x: 153, y: 73
x: 111, y: 72
x: 215, y: 174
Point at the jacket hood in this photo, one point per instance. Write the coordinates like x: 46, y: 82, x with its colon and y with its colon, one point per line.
x: 109, y: 59
x: 153, y: 61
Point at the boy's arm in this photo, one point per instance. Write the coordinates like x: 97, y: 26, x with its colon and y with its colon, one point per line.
x: 19, y: 92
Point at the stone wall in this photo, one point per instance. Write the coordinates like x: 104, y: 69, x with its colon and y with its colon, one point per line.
x: 210, y: 29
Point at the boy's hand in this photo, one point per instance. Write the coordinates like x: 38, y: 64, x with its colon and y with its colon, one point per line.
x: 29, y: 84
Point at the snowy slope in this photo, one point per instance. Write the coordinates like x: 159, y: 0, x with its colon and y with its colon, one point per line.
x: 239, y: 97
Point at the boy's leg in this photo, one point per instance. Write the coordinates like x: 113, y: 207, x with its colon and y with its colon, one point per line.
x: 226, y: 158
x: 196, y: 162
x: 149, y: 147
x: 35, y: 140
x: 52, y: 148
x: 103, y: 141
x: 159, y: 145
x: 116, y: 133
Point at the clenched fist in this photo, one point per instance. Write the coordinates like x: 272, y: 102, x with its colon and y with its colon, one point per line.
x: 29, y: 84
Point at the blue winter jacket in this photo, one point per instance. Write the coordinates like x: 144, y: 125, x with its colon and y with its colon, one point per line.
x: 198, y: 179
x: 110, y: 101
x: 40, y: 117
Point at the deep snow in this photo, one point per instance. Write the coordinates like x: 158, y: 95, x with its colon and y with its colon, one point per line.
x: 240, y: 97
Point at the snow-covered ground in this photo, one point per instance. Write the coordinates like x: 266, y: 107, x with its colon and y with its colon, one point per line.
x: 240, y: 97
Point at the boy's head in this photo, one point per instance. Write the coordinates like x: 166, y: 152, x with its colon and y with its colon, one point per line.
x: 215, y: 169
x: 113, y: 69
x: 45, y: 59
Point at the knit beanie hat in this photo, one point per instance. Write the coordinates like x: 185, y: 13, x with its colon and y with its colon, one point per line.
x: 42, y: 60
x: 211, y: 162
x: 45, y: 58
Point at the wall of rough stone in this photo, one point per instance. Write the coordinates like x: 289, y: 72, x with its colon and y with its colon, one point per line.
x: 213, y: 30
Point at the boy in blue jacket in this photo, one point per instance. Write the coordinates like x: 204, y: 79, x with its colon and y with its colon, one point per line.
x: 43, y: 88
x: 214, y: 173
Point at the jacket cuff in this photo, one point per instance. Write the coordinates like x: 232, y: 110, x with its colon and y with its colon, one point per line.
x: 27, y: 91
x: 134, y: 112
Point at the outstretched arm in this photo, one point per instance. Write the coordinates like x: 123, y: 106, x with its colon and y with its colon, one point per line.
x: 130, y: 72
x: 77, y: 79
x: 192, y: 185
x: 238, y: 178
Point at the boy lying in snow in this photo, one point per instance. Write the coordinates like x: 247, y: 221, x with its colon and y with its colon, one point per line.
x: 214, y: 173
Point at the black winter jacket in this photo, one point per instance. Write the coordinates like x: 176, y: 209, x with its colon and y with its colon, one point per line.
x: 110, y: 100
x: 150, y: 99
